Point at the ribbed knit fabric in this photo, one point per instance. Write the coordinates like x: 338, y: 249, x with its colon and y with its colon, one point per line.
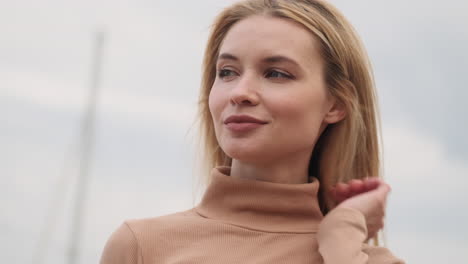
x: 248, y: 221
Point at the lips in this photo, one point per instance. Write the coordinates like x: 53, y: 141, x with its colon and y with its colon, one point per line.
x: 243, y: 119
x: 243, y: 123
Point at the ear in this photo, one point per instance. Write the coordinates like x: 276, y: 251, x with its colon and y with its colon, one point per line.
x: 336, y: 112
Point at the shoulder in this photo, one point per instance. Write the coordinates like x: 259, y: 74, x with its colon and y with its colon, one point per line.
x: 154, y: 225
x: 124, y: 246
x: 380, y: 255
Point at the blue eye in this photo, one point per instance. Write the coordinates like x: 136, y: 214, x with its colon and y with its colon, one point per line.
x: 278, y: 74
x: 226, y: 73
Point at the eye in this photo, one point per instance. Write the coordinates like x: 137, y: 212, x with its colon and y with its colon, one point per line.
x: 278, y: 74
x: 226, y: 74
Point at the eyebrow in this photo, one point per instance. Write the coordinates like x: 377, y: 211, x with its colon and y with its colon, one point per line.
x: 272, y: 59
x: 279, y: 58
x: 227, y: 56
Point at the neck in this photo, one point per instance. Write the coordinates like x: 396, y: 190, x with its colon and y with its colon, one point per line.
x: 292, y: 169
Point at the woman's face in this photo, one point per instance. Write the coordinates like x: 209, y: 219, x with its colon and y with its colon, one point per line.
x: 270, y: 69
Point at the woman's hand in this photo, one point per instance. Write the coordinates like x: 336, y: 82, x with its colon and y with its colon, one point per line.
x: 368, y: 196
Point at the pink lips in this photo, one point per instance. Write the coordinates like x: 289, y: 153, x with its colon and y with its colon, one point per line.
x: 243, y: 123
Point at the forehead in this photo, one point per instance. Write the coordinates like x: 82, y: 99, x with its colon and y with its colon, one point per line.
x: 258, y: 36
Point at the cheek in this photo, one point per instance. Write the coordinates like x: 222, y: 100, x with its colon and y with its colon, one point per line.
x: 301, y: 115
x: 214, y: 104
x: 300, y: 108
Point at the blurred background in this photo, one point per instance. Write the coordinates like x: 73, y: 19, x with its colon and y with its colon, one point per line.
x: 142, y: 154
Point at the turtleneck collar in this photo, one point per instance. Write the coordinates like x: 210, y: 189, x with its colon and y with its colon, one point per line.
x: 260, y: 205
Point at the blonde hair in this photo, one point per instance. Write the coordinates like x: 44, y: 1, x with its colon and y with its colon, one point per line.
x: 346, y: 150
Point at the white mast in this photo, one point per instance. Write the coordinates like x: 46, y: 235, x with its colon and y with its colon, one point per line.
x: 87, y: 138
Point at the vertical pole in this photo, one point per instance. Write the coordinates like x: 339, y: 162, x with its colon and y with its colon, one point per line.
x: 86, y: 151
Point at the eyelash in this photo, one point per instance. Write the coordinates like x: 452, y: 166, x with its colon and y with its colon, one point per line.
x: 222, y: 73
x: 283, y: 74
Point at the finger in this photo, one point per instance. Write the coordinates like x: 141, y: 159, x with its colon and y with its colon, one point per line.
x: 371, y: 183
x: 342, y: 191
x: 338, y: 194
x: 384, y: 187
x: 383, y: 191
x: 356, y: 187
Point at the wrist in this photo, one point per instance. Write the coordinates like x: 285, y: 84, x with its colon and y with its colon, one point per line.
x: 343, y: 221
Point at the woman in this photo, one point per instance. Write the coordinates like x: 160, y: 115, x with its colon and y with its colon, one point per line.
x: 288, y: 117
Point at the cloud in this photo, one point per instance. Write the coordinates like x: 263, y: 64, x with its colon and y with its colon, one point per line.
x: 429, y: 249
x: 130, y: 164
x: 428, y: 204
x: 419, y: 164
x: 49, y: 91
x: 142, y: 165
x: 419, y: 57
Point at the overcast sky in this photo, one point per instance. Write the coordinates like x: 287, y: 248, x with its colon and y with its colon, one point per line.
x: 144, y: 152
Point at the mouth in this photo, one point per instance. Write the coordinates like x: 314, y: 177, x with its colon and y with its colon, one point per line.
x: 243, y: 123
x: 243, y: 119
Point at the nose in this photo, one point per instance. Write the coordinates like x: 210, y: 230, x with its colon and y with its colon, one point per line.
x: 245, y: 92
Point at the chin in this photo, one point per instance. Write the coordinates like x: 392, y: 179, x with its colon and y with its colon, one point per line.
x: 248, y: 154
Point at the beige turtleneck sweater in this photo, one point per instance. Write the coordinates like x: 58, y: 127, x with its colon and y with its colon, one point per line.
x: 248, y: 221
